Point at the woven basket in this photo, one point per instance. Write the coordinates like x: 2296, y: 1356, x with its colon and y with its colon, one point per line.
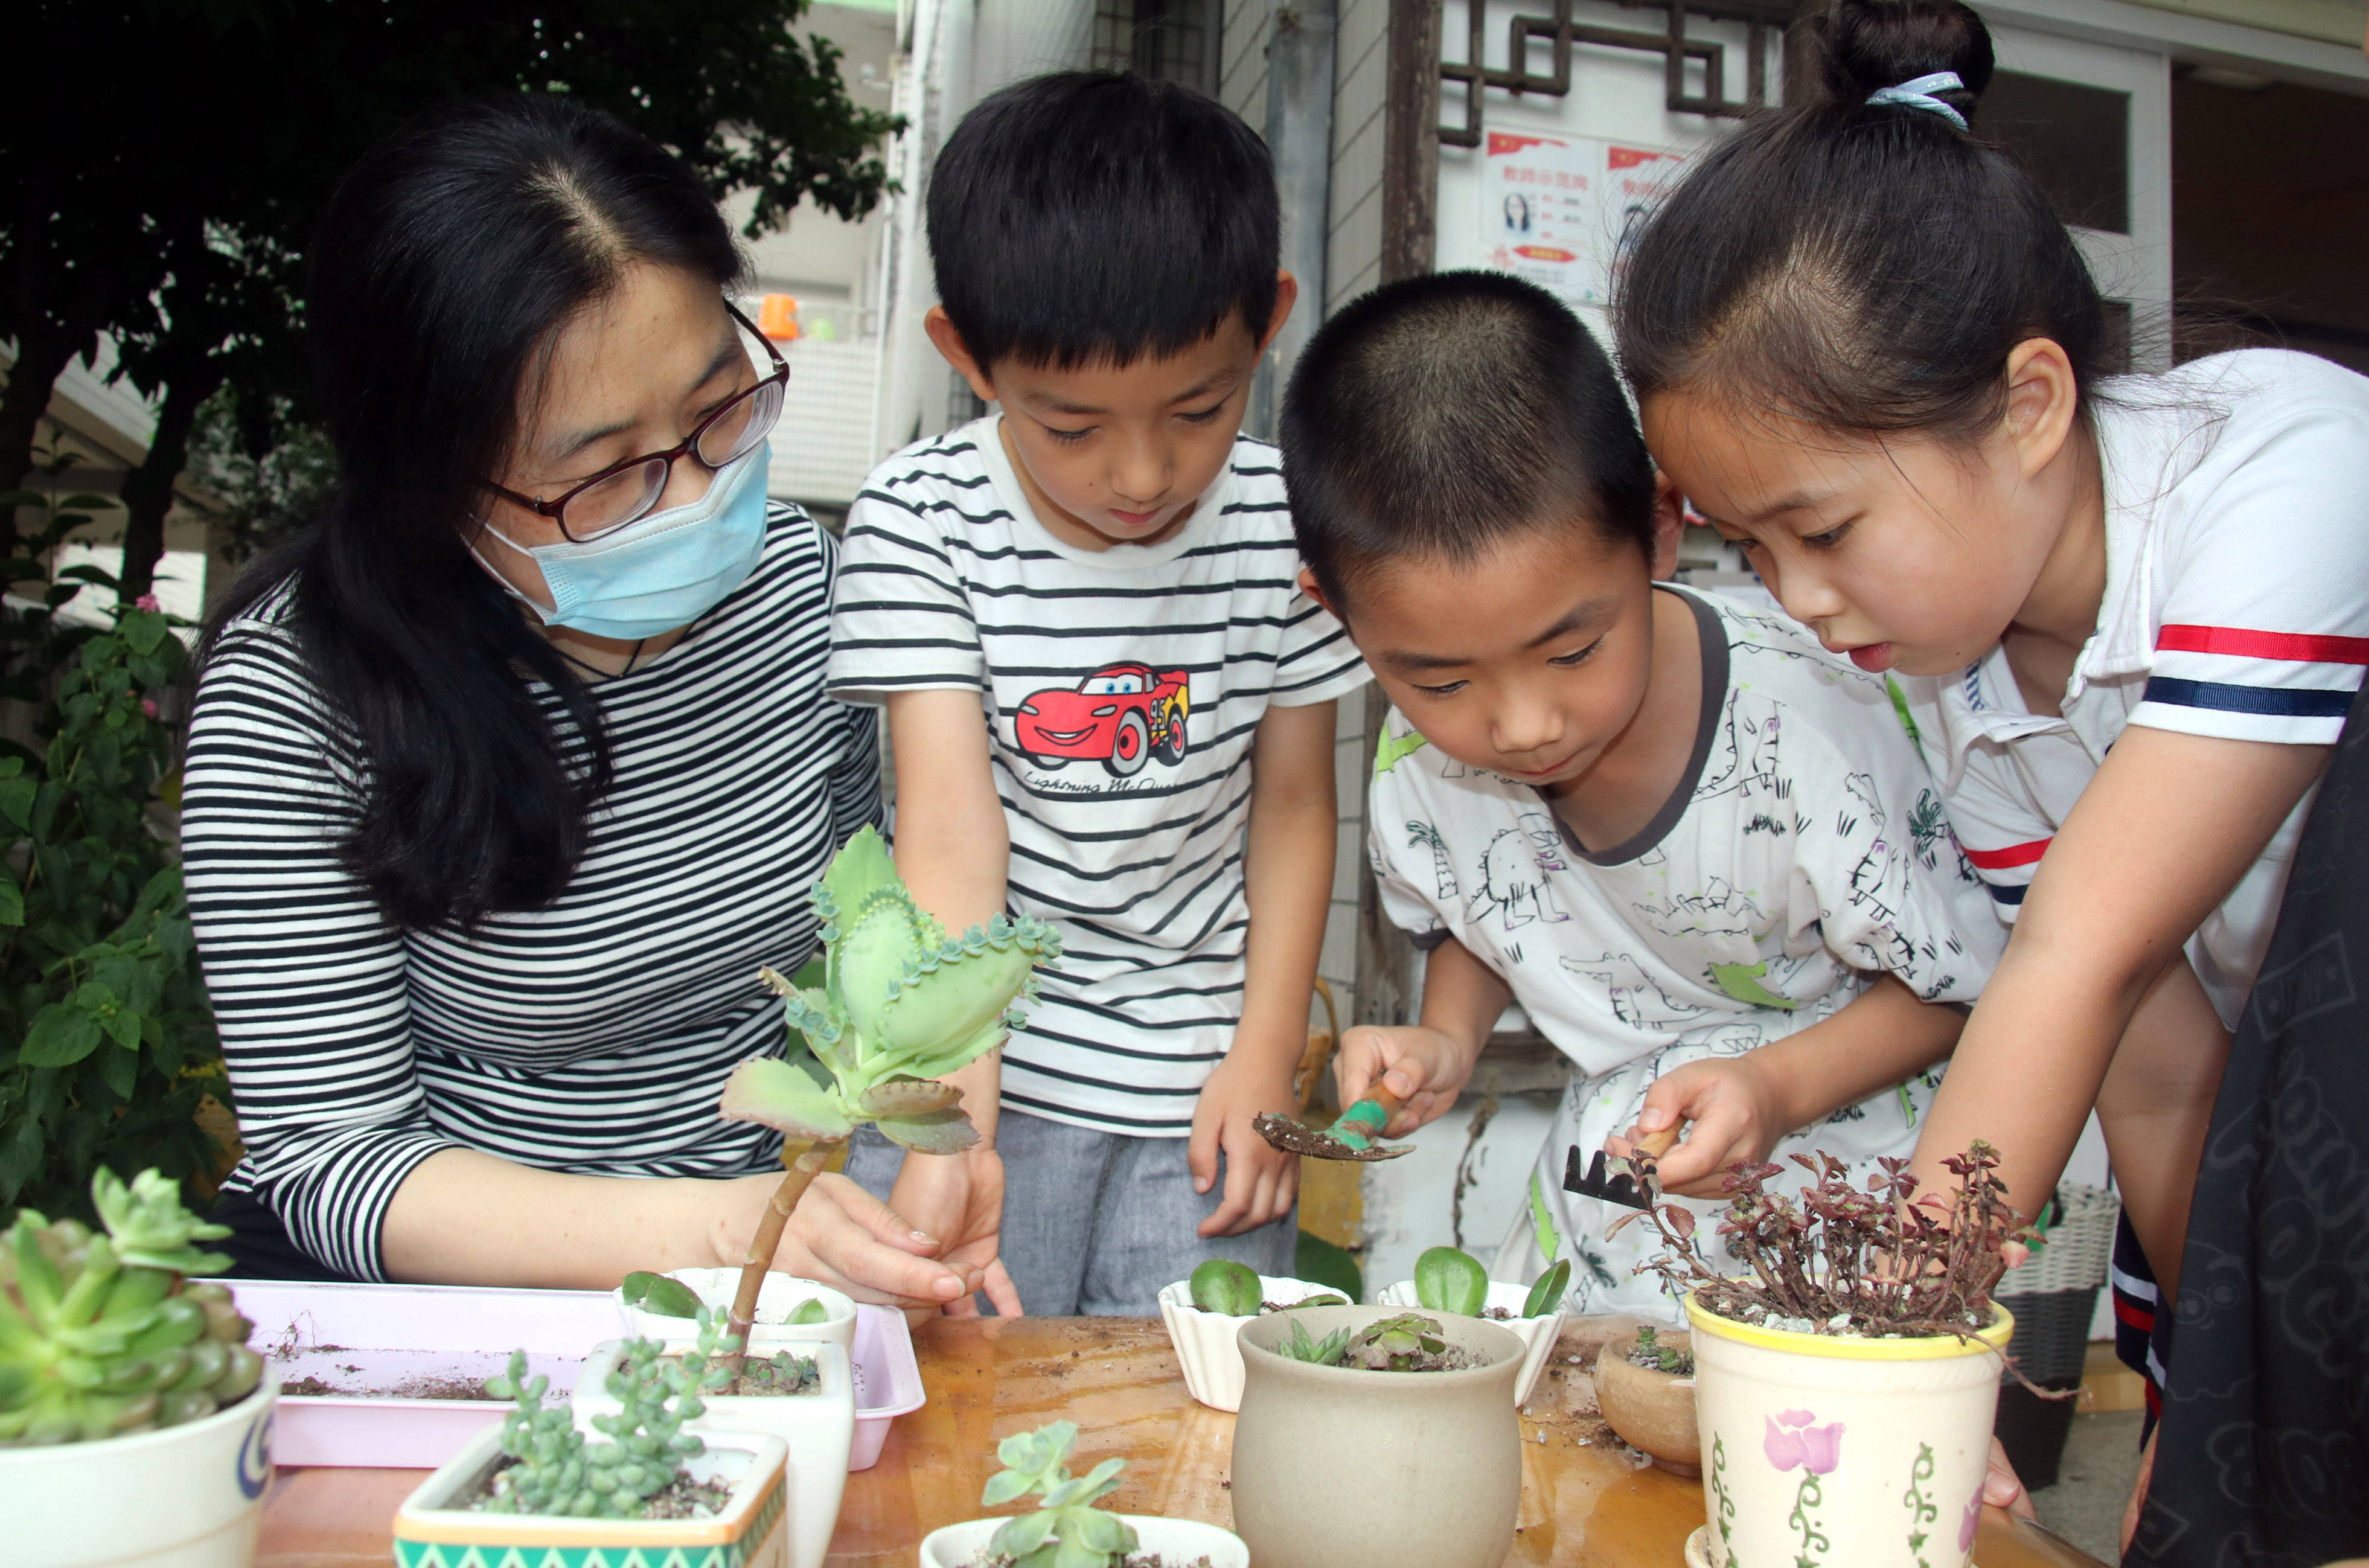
x: 2080, y: 1245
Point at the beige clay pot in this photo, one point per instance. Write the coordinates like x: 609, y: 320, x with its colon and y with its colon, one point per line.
x: 1342, y: 1467
x: 1654, y: 1412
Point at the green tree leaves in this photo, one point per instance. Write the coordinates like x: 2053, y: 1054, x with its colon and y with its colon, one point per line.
x: 106, y: 1041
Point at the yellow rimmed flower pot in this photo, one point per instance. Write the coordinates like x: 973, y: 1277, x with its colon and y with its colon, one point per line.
x: 1837, y: 1450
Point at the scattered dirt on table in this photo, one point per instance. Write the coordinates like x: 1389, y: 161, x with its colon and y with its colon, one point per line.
x: 410, y: 1388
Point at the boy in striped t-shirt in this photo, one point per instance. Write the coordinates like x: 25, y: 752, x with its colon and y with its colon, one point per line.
x: 1109, y: 704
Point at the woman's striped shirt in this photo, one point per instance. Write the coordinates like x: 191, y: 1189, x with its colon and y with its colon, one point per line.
x: 593, y: 1036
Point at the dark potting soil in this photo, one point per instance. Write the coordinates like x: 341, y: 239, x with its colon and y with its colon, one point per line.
x: 684, y: 1499
x: 1498, y: 1315
x: 1455, y: 1358
x: 806, y: 1380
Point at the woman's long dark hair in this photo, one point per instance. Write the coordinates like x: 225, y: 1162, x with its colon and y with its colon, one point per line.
x: 444, y: 265
x: 1862, y: 267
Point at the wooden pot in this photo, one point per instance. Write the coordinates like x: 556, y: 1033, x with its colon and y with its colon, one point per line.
x: 1652, y: 1411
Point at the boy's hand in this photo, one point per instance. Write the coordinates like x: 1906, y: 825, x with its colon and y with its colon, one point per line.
x: 1424, y: 1067
x: 1261, y: 1180
x: 1738, y: 1114
x: 959, y: 1199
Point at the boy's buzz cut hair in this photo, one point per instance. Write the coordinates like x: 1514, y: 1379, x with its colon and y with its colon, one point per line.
x: 1439, y: 415
x: 1092, y: 217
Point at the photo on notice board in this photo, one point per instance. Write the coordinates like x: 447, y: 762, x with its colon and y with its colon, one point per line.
x: 1554, y: 209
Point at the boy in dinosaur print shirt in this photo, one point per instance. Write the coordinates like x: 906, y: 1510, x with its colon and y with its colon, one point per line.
x: 1701, y: 854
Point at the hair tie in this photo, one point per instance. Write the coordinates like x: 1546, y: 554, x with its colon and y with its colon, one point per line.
x: 1918, y: 93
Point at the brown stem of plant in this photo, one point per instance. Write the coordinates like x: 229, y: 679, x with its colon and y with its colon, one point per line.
x: 762, y: 1246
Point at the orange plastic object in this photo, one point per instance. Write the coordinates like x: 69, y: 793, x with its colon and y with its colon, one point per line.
x: 777, y: 318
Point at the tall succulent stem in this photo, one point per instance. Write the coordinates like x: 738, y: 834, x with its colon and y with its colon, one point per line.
x: 761, y: 1247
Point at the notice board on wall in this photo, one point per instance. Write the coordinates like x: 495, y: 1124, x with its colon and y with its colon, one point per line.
x: 1555, y: 210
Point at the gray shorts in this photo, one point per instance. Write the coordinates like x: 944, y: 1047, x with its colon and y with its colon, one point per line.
x: 1094, y: 1224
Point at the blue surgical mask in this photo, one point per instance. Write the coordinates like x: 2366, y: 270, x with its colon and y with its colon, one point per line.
x: 661, y: 571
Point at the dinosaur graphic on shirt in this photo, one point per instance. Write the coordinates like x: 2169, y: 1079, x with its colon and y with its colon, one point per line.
x: 1514, y: 868
x: 1747, y: 757
x: 1634, y: 997
x: 1718, y: 911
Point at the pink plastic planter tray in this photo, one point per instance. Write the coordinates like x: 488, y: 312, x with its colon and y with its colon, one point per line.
x: 397, y: 1337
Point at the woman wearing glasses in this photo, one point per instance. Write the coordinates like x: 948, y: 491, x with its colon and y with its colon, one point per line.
x: 504, y: 780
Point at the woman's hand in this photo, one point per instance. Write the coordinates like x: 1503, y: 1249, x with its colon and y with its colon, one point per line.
x: 958, y: 1199
x: 1425, y: 1068
x: 847, y: 1238
x: 1738, y: 1114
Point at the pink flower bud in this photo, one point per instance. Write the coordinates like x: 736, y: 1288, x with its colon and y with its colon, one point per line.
x: 148, y: 707
x: 147, y: 602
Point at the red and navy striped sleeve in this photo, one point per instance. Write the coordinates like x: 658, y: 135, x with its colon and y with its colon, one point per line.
x: 2248, y: 683
x: 2262, y: 630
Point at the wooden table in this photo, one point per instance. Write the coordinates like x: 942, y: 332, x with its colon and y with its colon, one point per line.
x: 1116, y: 1377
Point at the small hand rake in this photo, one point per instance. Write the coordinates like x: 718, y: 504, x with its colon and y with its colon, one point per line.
x: 1630, y: 1191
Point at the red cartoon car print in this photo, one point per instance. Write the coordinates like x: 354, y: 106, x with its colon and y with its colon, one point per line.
x: 1121, y: 715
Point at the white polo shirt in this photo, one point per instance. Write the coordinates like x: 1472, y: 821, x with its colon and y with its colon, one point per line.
x: 2237, y: 606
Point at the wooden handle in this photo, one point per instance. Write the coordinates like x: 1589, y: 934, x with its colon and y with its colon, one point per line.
x: 1656, y: 1144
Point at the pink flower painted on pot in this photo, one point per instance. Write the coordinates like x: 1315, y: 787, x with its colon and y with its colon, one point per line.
x: 1791, y: 1440
x: 1974, y: 1516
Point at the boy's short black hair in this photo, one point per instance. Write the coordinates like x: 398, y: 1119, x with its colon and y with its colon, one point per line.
x: 1092, y: 217
x: 1441, y: 413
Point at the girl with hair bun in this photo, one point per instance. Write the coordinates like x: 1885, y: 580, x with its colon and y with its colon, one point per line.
x: 2127, y: 613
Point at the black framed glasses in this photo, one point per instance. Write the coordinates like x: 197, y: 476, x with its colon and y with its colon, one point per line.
x: 624, y: 492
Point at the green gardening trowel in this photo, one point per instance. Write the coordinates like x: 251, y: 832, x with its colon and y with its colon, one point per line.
x: 1351, y: 1138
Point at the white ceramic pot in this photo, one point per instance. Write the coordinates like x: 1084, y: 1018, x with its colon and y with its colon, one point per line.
x: 816, y: 1428
x: 1205, y: 1341
x: 1860, y: 1453
x: 1180, y: 1541
x: 778, y: 1298
x: 431, y: 1531
x: 1537, y: 1334
x: 186, y: 1496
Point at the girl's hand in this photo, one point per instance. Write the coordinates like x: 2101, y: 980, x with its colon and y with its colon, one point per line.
x: 1737, y: 1112
x: 1425, y: 1068
x: 844, y: 1237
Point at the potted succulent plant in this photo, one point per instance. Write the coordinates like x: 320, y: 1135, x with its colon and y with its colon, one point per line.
x: 1418, y: 1408
x: 902, y: 1005
x: 1067, y: 1531
x: 790, y: 1311
x: 1645, y: 1389
x: 1844, y: 1387
x: 122, y: 1377
x: 1203, y: 1313
x: 539, y: 1489
x: 1448, y: 1279
x: 804, y: 1396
